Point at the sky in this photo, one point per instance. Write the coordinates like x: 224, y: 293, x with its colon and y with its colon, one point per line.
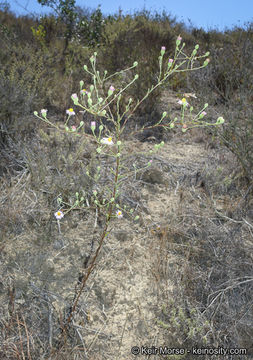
x: 214, y: 14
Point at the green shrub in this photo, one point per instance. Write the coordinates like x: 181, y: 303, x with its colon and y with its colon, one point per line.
x: 184, y: 326
x: 89, y: 29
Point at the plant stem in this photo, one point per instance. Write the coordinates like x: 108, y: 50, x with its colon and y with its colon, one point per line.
x: 103, y: 236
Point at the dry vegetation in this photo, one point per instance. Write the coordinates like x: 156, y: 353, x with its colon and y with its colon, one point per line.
x: 181, y: 276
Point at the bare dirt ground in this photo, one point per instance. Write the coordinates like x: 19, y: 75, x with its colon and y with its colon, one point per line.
x: 131, y: 283
x: 135, y: 273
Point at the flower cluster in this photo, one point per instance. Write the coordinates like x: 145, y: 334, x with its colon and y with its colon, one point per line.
x: 112, y: 138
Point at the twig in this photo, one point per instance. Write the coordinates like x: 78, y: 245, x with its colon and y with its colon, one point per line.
x: 222, y: 291
x: 50, y: 326
x: 246, y: 222
x: 96, y: 218
x: 216, y: 297
x: 228, y: 218
x: 80, y: 337
x: 64, y: 247
x: 20, y: 339
x: 59, y: 226
x: 28, y: 339
x: 95, y: 337
x: 176, y: 187
x: 121, y: 338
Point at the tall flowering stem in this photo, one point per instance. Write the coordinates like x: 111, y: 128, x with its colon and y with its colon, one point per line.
x: 103, y: 236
